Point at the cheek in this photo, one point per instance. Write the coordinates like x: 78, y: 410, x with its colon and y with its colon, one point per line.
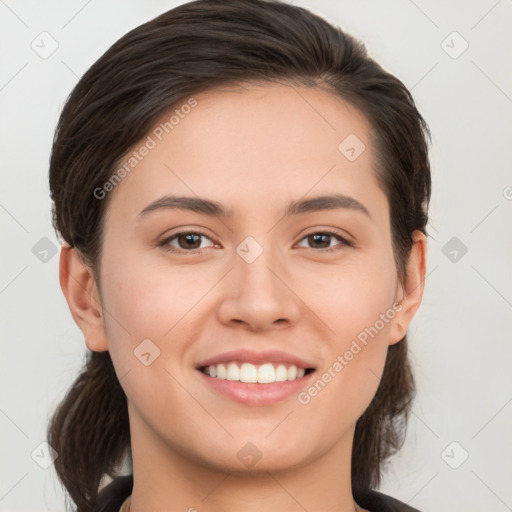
x: 149, y: 301
x: 149, y: 327
x: 358, y: 308
x: 156, y: 313
x: 351, y: 298
x: 356, y: 304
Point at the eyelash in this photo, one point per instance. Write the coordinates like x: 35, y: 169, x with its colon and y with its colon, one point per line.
x: 164, y: 243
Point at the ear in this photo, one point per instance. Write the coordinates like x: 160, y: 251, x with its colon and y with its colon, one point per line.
x: 79, y: 287
x: 410, y: 294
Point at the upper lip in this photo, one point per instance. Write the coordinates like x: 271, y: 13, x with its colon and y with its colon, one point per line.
x: 251, y: 356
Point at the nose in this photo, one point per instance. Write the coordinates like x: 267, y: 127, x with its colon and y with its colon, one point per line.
x: 259, y: 295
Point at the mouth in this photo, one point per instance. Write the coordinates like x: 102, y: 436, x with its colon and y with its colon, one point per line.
x: 254, y: 378
x: 266, y: 373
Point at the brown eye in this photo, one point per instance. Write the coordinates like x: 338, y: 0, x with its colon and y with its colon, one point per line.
x: 322, y: 240
x: 187, y: 241
x: 319, y: 240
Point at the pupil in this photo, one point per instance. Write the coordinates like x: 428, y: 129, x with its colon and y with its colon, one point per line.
x: 315, y: 237
x: 189, y: 237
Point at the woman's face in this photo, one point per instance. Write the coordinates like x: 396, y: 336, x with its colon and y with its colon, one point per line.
x: 255, y: 281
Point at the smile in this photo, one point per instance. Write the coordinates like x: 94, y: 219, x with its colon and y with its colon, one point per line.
x: 256, y: 378
x: 265, y: 373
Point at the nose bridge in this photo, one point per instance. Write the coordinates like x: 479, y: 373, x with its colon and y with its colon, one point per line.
x: 256, y: 266
x: 256, y: 293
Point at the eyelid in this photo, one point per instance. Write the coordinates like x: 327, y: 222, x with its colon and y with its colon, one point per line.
x: 343, y: 233
x: 164, y: 242
x: 345, y: 241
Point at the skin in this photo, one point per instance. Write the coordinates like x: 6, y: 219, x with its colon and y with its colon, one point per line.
x: 254, y: 150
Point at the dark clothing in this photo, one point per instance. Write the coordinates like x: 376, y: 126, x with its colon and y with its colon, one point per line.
x: 112, y: 497
x: 378, y: 502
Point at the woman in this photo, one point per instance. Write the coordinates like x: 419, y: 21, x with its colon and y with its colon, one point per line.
x: 242, y: 194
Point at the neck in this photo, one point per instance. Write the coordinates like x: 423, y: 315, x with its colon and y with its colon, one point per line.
x: 166, y: 479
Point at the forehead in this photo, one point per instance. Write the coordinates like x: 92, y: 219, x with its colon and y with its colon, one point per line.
x: 289, y: 121
x: 268, y: 142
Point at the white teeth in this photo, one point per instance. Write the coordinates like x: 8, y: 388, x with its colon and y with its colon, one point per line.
x: 248, y: 373
x: 266, y: 373
x: 281, y: 373
x: 221, y: 371
x: 233, y: 372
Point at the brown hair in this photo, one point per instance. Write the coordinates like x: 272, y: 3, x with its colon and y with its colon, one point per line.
x: 194, y: 47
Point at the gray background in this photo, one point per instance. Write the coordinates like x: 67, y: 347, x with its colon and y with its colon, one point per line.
x: 460, y: 339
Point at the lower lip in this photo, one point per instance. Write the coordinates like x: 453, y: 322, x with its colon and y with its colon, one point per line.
x: 257, y: 394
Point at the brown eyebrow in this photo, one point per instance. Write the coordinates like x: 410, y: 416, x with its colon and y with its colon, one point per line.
x: 213, y: 208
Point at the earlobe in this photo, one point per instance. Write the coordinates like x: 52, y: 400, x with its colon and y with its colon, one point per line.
x: 81, y: 292
x: 411, y: 294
